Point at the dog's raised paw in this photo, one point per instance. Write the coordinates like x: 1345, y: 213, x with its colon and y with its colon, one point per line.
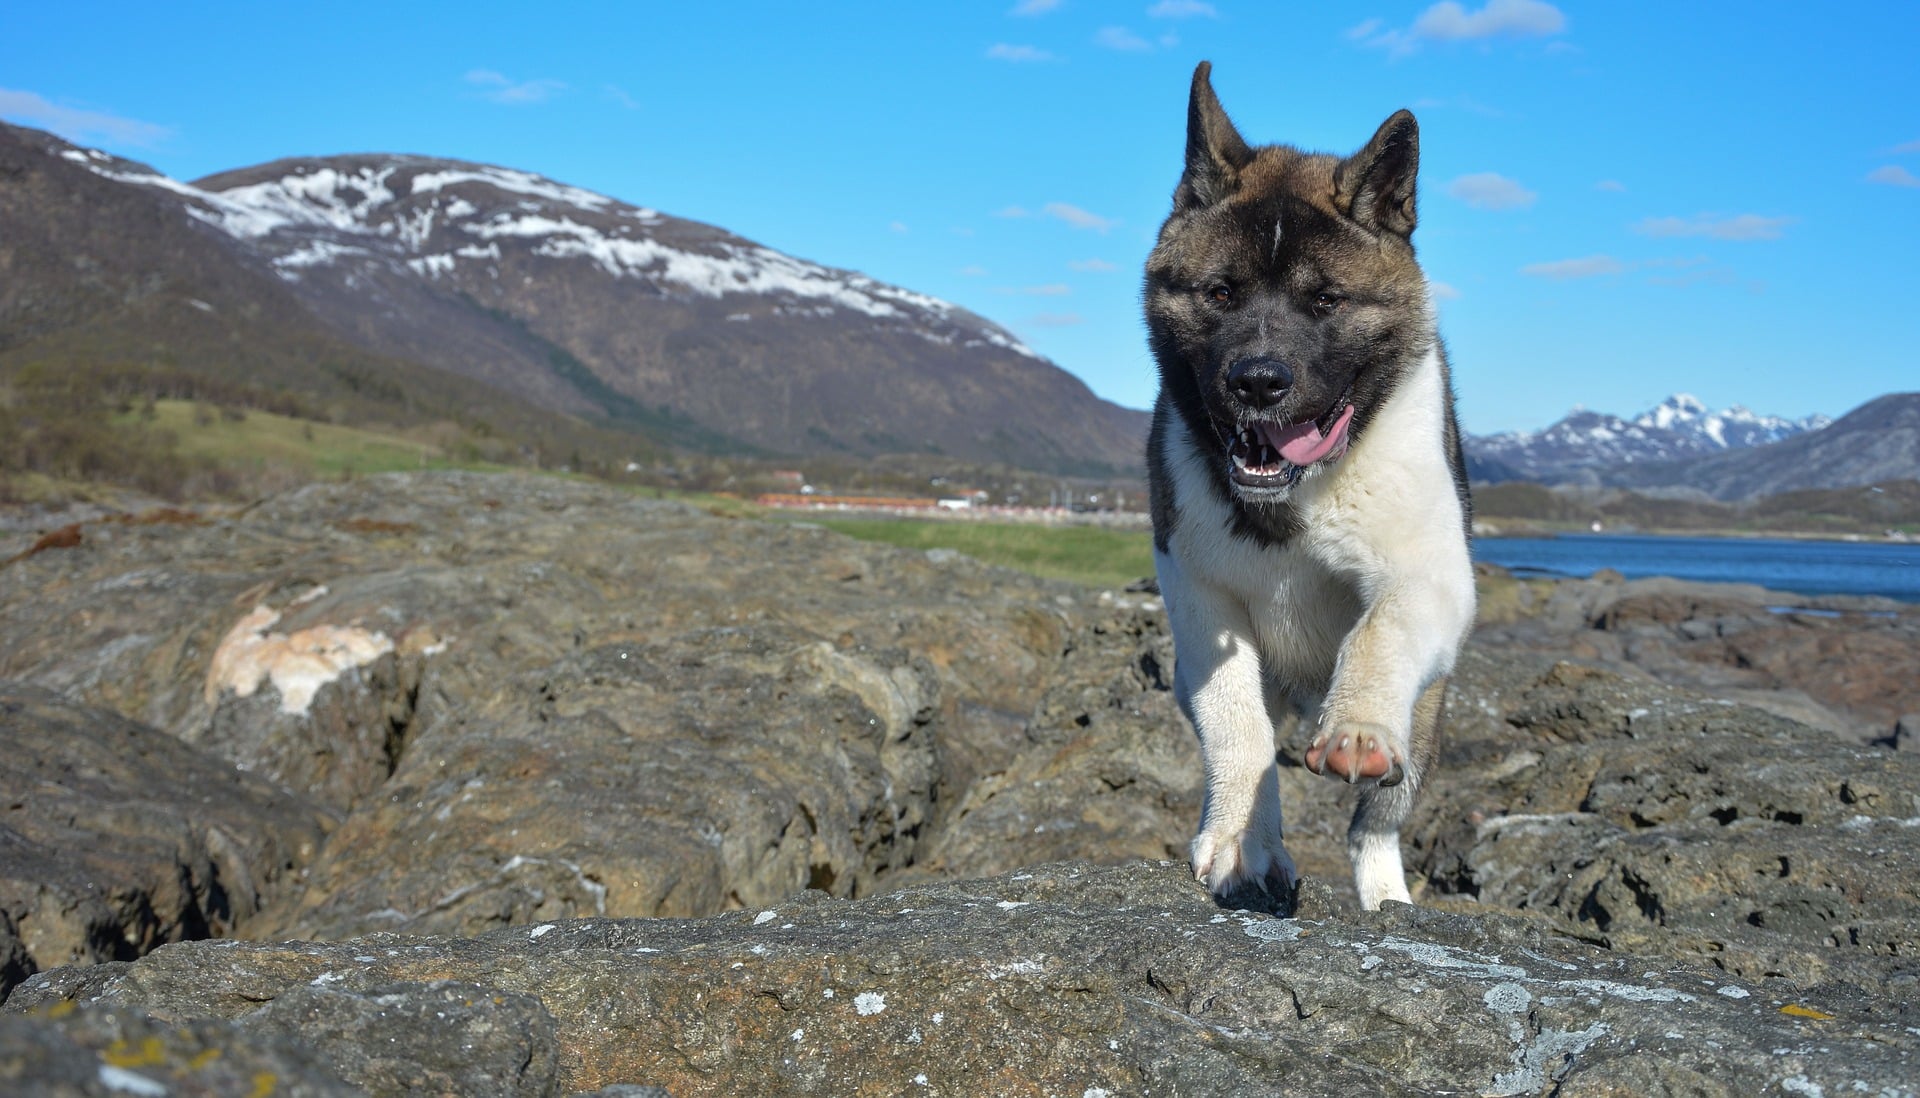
x: 1355, y: 751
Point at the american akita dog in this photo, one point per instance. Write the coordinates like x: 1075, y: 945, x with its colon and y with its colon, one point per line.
x: 1310, y: 507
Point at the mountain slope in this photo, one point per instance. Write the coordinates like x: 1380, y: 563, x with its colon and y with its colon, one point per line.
x: 1584, y: 446
x: 578, y: 303
x: 1878, y: 441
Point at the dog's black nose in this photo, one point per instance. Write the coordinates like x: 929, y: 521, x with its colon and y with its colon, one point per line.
x: 1259, y: 383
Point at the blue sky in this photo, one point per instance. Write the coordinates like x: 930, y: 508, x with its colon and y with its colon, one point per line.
x: 1620, y: 200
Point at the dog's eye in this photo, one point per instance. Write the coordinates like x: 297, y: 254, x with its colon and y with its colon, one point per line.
x: 1220, y: 295
x: 1326, y: 301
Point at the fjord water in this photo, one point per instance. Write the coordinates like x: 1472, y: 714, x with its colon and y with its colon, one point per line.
x: 1804, y: 567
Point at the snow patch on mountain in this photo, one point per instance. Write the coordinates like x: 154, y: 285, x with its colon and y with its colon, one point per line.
x: 1679, y: 427
x: 396, y: 211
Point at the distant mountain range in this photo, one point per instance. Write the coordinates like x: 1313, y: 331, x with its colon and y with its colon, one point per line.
x: 1729, y: 455
x: 1584, y: 445
x: 418, y: 272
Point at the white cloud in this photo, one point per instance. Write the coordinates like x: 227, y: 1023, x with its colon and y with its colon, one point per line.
x: 1739, y: 227
x: 1100, y: 266
x: 501, y: 89
x: 1002, y: 51
x: 619, y: 95
x: 1055, y: 320
x: 1448, y: 21
x: 1560, y: 270
x: 1908, y: 147
x: 1613, y: 185
x: 1012, y: 211
x: 1182, y: 9
x: 1491, y: 191
x: 1034, y: 7
x: 1120, y: 38
x: 1077, y: 217
x: 77, y: 124
x: 897, y: 226
x: 974, y: 270
x: 1893, y: 175
x: 1052, y: 289
x: 1442, y: 291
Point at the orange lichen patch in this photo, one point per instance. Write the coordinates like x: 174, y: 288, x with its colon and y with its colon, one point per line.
x: 1799, y: 1011
x: 162, y: 516
x: 66, y: 537
x: 374, y: 526
x: 298, y: 664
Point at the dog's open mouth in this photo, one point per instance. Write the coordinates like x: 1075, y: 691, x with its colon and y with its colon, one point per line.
x: 1273, y: 455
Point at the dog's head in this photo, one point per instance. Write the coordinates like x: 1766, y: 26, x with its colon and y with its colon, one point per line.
x: 1282, y: 298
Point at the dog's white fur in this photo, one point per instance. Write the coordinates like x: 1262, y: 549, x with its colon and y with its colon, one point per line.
x: 1352, y: 618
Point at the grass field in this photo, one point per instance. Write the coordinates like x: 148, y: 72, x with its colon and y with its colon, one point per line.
x: 1092, y: 555
x: 263, y: 440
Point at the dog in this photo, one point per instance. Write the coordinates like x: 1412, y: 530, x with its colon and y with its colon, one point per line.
x: 1311, y: 517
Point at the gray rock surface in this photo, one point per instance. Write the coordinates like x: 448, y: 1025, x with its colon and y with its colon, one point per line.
x: 1059, y: 979
x: 115, y: 838
x: 493, y: 705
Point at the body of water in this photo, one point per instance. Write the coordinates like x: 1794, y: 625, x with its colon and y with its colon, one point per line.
x: 1804, y: 567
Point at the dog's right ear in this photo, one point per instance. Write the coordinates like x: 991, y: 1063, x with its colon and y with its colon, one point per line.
x: 1215, y: 151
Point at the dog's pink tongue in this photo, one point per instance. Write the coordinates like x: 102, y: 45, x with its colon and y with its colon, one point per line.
x: 1303, y: 444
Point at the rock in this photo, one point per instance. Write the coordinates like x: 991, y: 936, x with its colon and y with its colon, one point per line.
x: 511, y: 714
x: 1676, y: 824
x: 67, y: 1049
x: 1846, y: 663
x: 117, y: 838
x: 1056, y: 979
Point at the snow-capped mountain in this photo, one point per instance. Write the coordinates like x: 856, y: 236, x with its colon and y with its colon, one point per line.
x: 584, y: 304
x: 1583, y: 444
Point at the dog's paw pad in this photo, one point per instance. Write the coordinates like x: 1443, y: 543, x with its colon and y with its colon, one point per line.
x: 1356, y: 751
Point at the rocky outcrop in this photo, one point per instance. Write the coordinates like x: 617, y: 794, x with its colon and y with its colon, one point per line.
x: 1844, y: 663
x: 1059, y: 979
x: 116, y: 838
x: 607, y: 792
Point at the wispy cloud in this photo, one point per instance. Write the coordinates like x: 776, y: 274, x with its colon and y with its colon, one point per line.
x: 1894, y: 176
x: 1055, y: 320
x: 1013, y: 211
x: 1034, y: 7
x: 1120, y: 38
x: 1561, y: 270
x: 1097, y: 266
x: 1182, y: 9
x: 1908, y: 147
x: 619, y: 95
x: 1051, y: 289
x: 1491, y: 191
x: 499, y: 88
x: 1448, y: 21
x: 1613, y: 185
x: 1002, y: 51
x: 974, y: 270
x: 1077, y: 217
x: 1442, y: 291
x: 79, y: 124
x: 897, y: 226
x: 1738, y: 227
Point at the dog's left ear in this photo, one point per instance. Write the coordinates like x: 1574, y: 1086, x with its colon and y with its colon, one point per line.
x: 1375, y: 185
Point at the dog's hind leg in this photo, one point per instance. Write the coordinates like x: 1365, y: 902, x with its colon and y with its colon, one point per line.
x: 1373, y: 839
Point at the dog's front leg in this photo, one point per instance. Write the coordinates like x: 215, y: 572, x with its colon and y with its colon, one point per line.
x: 1381, y: 719
x: 1218, y: 679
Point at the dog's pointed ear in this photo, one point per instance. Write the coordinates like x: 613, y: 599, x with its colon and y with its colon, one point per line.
x: 1215, y: 151
x: 1375, y: 186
